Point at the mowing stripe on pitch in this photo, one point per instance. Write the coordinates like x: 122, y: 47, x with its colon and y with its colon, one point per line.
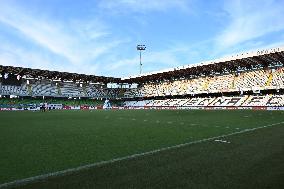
x: 72, y: 170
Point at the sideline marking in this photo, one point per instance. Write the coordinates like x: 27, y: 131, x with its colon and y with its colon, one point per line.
x: 24, y: 181
x: 223, y: 141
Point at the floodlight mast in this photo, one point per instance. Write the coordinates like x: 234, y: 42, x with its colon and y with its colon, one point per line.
x: 141, y: 48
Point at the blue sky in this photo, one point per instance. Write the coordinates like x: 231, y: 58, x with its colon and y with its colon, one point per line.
x: 100, y: 36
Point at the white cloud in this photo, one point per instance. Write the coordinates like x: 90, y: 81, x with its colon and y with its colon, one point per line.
x: 45, y: 34
x: 77, y: 42
x: 249, y: 20
x: 126, y: 6
x: 12, y: 55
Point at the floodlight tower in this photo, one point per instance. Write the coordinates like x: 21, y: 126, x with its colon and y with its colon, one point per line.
x: 141, y: 48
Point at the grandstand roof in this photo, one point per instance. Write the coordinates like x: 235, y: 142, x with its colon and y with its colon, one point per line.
x: 55, y: 75
x: 248, y: 60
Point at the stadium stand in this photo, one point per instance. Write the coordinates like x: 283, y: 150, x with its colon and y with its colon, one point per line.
x: 243, y: 80
x: 229, y: 101
x: 35, y: 102
x: 14, y: 90
x: 237, y: 101
x: 43, y: 89
x: 278, y: 78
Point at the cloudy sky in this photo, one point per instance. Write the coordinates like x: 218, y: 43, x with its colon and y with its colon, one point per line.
x: 100, y: 36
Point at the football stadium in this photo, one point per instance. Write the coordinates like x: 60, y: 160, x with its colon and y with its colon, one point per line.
x: 215, y: 123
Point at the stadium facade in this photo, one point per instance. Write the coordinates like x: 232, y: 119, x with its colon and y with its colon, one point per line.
x: 247, y: 80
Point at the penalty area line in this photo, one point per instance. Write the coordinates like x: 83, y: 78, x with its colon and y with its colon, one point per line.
x: 88, y: 166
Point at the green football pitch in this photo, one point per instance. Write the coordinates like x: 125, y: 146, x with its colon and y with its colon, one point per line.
x: 38, y: 143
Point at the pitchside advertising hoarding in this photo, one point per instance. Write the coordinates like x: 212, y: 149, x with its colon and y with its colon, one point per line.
x: 151, y: 107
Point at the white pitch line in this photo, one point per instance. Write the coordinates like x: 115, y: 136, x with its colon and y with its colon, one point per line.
x: 223, y: 141
x: 85, y: 167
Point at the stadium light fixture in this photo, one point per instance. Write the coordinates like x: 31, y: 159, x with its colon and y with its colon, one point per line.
x: 141, y: 48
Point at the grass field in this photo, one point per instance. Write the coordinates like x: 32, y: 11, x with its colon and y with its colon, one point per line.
x: 36, y: 143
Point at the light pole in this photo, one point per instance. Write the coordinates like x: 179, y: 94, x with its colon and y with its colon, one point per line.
x: 141, y: 48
